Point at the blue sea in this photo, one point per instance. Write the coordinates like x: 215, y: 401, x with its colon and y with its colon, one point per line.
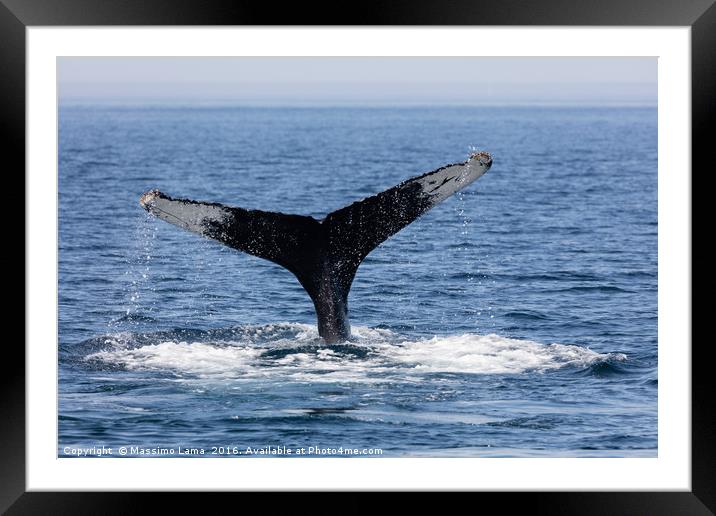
x: 516, y: 319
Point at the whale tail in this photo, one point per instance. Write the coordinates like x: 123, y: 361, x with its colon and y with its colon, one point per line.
x: 324, y: 255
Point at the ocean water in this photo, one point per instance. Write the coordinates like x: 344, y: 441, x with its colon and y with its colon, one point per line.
x: 516, y: 319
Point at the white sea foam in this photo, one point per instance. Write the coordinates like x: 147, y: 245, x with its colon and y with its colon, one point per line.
x: 195, y: 357
x: 489, y: 354
x: 294, y: 352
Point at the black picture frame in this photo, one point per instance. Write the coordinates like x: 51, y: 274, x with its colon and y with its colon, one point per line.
x: 17, y: 15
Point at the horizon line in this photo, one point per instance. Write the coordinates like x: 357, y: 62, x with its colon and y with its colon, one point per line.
x: 367, y: 103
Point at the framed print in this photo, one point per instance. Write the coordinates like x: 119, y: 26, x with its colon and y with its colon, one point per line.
x: 424, y: 249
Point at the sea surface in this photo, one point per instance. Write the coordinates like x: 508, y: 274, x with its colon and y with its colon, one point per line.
x: 516, y: 319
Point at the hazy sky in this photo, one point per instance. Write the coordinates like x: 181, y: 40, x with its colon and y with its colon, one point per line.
x: 349, y: 80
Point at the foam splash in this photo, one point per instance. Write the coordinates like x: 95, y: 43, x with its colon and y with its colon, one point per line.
x: 491, y: 354
x: 294, y: 352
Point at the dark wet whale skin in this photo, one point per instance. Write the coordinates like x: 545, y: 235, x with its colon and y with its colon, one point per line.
x: 324, y: 255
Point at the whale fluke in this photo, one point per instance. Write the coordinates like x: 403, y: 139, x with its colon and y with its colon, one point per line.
x: 323, y: 254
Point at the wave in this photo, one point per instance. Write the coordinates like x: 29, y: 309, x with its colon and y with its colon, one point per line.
x: 614, y: 365
x: 294, y: 352
x: 594, y: 288
x: 526, y: 315
x: 133, y: 317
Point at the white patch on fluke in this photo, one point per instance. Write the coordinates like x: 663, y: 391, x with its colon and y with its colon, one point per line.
x: 444, y: 182
x: 191, y: 216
